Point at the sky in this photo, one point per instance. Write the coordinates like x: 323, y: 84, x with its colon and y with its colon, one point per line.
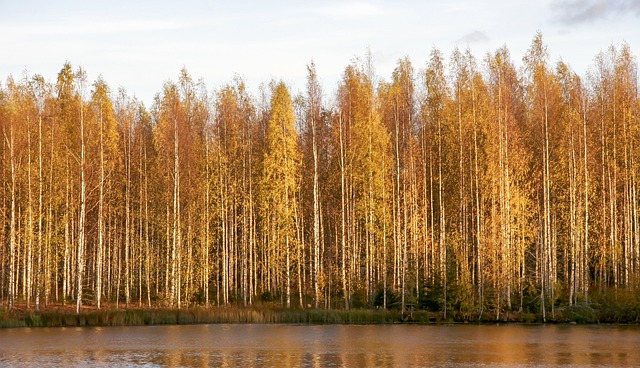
x: 139, y: 45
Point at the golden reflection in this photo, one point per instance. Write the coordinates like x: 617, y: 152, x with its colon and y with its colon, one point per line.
x: 323, y: 346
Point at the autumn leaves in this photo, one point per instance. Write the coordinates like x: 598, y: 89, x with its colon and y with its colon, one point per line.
x: 467, y: 186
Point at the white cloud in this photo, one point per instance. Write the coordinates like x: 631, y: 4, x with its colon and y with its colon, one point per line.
x: 578, y: 11
x: 351, y: 10
x: 473, y: 37
x: 88, y: 27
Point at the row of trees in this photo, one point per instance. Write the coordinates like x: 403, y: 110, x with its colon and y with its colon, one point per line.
x: 468, y: 185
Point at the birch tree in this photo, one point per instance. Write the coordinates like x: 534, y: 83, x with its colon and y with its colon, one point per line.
x: 280, y: 182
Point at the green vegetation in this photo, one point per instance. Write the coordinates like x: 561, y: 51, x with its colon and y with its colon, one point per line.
x: 623, y: 310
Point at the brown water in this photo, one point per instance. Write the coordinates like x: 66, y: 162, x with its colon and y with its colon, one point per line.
x: 323, y: 346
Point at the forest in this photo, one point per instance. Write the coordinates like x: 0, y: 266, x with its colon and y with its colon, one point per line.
x: 463, y: 186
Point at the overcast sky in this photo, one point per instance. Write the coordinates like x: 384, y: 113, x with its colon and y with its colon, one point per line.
x: 139, y: 45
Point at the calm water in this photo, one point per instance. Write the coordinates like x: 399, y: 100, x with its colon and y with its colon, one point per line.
x: 322, y: 346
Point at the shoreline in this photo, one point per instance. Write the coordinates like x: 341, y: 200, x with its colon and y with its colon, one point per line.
x: 64, y: 316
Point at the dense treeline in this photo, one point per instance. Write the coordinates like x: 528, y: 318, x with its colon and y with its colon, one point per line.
x: 469, y: 186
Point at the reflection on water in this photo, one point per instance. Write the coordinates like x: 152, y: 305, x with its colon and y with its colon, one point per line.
x: 322, y: 346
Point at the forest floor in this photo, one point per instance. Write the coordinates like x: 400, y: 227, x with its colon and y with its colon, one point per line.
x: 60, y: 315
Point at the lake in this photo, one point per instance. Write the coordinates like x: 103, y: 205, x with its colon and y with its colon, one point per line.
x: 323, y: 346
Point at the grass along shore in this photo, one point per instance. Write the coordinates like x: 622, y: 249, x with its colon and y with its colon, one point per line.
x: 64, y: 316
x: 61, y: 316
